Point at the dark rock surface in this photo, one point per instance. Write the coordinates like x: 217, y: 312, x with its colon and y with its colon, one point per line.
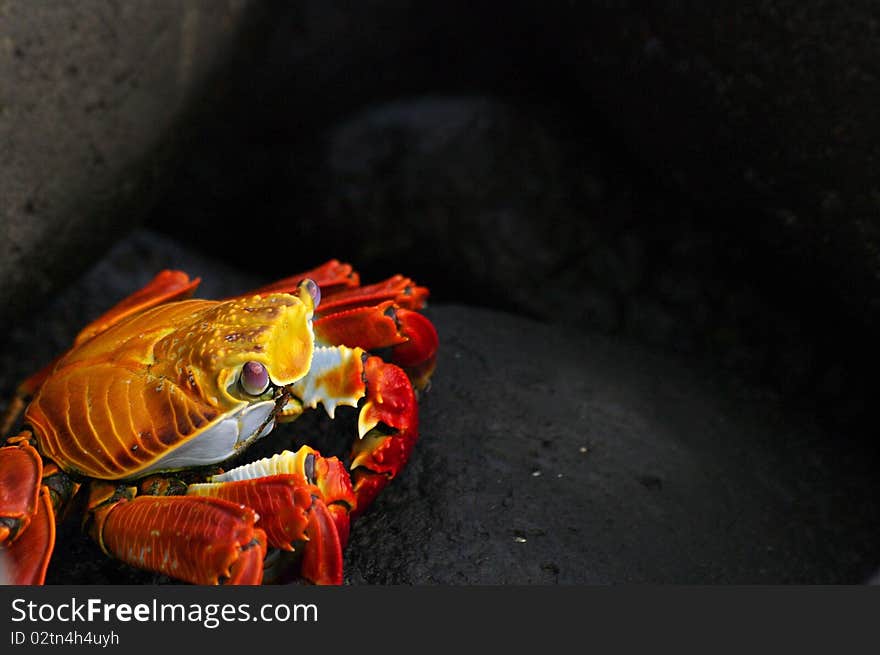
x: 524, y: 209
x: 524, y: 212
x: 471, y: 186
x: 550, y: 456
x: 555, y: 457
x: 762, y: 111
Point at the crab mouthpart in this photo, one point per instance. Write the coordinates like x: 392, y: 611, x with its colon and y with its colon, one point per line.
x: 257, y: 423
x: 225, y: 438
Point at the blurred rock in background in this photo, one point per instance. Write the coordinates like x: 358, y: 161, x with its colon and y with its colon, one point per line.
x: 95, y: 100
x: 675, y: 173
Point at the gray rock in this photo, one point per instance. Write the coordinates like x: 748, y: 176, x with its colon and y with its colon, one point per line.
x: 470, y: 186
x: 556, y: 457
x: 93, y: 97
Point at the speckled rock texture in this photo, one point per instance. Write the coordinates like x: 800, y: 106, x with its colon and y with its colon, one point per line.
x: 93, y: 97
x: 548, y: 455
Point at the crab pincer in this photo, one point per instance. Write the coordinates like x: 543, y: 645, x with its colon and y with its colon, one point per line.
x: 303, y: 501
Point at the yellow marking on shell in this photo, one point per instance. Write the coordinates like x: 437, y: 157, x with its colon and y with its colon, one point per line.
x: 274, y: 330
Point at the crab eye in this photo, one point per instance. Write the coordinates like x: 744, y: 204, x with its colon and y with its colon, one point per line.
x: 313, y: 290
x: 254, y: 378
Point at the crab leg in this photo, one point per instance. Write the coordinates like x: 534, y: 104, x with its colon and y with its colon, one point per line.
x: 21, y: 470
x: 31, y: 494
x: 27, y: 520
x: 29, y: 555
x: 402, y: 290
x: 167, y: 286
x: 332, y: 276
x: 303, y: 501
x: 198, y: 540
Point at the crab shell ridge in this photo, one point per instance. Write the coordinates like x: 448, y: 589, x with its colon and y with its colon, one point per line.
x: 158, y: 391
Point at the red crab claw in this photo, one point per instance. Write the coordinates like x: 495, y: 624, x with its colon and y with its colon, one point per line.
x: 388, y: 417
x: 410, y: 336
x: 197, y: 540
x: 418, y: 355
x: 380, y: 317
x: 27, y: 518
x: 303, y: 501
x: 374, y: 317
x: 388, y: 427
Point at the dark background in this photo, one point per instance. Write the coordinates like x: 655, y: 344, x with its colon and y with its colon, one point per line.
x: 698, y: 182
x: 686, y: 175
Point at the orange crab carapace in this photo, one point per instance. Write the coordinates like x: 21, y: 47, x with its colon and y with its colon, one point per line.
x: 156, y: 394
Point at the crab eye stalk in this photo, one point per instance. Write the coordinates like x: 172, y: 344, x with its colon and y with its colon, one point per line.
x: 311, y: 287
x: 254, y: 378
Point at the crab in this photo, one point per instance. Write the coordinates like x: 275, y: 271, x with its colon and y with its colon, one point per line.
x: 139, y: 417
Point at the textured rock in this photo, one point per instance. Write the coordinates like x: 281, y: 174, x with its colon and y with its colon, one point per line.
x: 554, y: 457
x: 92, y: 98
x: 550, y: 456
x: 323, y: 64
x: 482, y: 191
